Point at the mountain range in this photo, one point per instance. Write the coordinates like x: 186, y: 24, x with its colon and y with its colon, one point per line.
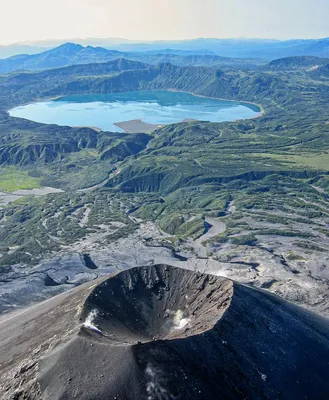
x: 72, y: 54
x: 241, y: 48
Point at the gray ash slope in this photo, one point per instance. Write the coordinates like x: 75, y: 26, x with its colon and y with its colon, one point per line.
x: 160, y: 332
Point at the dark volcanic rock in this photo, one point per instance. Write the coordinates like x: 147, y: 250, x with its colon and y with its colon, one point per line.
x: 160, y: 332
x: 160, y: 302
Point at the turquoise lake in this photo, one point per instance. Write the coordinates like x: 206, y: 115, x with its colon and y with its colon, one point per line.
x: 152, y: 107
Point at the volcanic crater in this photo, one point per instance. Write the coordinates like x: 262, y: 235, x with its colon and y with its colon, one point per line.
x: 156, y: 303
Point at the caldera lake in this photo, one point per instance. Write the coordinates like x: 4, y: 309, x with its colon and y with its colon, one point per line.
x: 154, y: 108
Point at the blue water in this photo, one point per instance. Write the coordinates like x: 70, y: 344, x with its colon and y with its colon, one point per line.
x: 153, y: 107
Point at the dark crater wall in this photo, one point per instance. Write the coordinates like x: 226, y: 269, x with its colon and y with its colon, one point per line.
x: 160, y: 302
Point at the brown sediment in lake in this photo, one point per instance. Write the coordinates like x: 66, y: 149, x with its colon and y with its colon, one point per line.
x: 138, y: 126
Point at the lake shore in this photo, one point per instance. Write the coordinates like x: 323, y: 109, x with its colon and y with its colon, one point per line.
x: 261, y: 108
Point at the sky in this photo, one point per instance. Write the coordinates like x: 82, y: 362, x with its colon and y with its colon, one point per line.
x: 23, y: 20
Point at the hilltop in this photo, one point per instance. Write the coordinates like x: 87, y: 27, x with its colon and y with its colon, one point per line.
x: 66, y: 54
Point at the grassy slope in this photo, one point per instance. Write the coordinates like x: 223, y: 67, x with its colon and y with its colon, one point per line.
x: 12, y: 179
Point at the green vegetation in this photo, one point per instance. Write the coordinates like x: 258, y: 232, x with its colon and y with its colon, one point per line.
x: 183, y: 226
x: 295, y: 257
x: 37, y: 227
x: 12, y: 179
x: 266, y: 177
x: 243, y: 240
x: 317, y: 161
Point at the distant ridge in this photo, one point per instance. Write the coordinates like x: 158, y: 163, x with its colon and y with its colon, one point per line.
x: 64, y: 55
x: 83, y: 53
x: 95, y: 69
x: 296, y: 62
x: 75, y: 54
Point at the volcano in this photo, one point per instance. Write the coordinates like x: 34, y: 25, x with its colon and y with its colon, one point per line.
x: 160, y: 332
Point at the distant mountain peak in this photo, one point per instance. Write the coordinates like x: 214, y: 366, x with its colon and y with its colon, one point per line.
x: 67, y: 48
x: 70, y: 45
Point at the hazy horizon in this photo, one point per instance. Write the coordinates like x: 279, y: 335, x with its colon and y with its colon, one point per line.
x: 76, y: 40
x: 152, y: 20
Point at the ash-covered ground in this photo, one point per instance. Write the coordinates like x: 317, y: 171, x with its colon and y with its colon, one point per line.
x: 160, y: 332
x: 70, y: 346
x: 303, y: 280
